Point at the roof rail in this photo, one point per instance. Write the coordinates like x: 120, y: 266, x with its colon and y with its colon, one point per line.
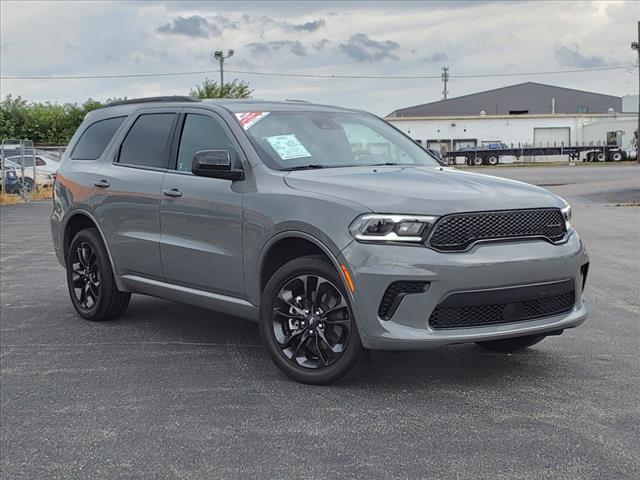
x: 174, y: 98
x: 297, y: 101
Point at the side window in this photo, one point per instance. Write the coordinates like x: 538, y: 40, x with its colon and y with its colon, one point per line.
x: 40, y: 162
x: 146, y: 143
x: 96, y: 138
x: 201, y: 132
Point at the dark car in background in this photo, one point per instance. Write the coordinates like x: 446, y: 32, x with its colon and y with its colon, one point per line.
x: 10, y: 183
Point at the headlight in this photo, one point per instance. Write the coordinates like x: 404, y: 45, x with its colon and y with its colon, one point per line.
x: 566, y: 213
x: 374, y: 227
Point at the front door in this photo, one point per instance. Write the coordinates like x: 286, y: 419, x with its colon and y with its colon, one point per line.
x: 200, y: 217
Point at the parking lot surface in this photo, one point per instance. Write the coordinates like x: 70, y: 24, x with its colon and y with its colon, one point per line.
x: 173, y: 391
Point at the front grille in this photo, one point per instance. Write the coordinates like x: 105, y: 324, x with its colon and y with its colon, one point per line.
x: 394, y: 294
x: 461, y: 316
x: 460, y: 230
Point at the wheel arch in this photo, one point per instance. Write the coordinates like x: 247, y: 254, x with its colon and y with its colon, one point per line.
x: 79, y: 220
x: 284, y: 247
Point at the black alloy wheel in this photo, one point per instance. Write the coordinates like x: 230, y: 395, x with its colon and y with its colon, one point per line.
x: 307, y: 323
x: 90, y: 279
x: 85, y: 275
x: 311, y: 321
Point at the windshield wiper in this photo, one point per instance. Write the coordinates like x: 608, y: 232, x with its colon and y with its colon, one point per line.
x: 385, y: 164
x: 312, y: 166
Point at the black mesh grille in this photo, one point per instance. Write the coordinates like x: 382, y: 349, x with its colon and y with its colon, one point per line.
x: 458, y: 231
x: 460, y: 316
x: 394, y: 293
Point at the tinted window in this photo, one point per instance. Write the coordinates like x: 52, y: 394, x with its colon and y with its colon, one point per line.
x: 96, y: 138
x: 201, y: 132
x: 146, y: 142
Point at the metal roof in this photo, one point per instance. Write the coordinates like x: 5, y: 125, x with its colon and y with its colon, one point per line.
x: 529, y: 97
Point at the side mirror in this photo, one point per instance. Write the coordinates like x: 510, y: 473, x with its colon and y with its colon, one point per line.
x: 215, y: 164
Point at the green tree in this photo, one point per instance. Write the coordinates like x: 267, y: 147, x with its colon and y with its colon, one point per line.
x: 44, y: 123
x: 211, y: 89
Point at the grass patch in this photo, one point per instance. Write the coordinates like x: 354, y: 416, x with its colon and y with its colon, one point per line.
x: 14, y: 198
x: 42, y: 194
x: 10, y: 198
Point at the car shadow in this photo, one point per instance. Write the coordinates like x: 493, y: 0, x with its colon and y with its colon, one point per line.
x: 446, y: 367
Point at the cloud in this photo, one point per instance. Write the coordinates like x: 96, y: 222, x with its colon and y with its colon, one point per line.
x: 436, y: 57
x: 303, y: 27
x: 573, y: 58
x: 193, y: 26
x: 322, y: 44
x: 277, y: 47
x: 361, y: 48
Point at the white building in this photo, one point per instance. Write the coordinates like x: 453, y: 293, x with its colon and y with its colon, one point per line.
x: 520, y: 115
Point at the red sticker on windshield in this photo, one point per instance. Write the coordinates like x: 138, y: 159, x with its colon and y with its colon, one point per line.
x: 249, y: 119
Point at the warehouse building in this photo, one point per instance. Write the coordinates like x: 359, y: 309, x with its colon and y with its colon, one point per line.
x: 527, y: 114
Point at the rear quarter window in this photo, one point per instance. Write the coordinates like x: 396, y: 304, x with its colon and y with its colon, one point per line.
x: 95, y: 139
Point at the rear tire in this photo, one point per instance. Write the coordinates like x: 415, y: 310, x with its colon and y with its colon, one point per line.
x: 601, y: 157
x: 90, y: 279
x: 477, y: 161
x: 307, y: 322
x: 511, y: 344
x: 492, y: 160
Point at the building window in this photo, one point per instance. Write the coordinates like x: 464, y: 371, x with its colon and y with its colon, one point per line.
x: 582, y: 109
x: 518, y: 112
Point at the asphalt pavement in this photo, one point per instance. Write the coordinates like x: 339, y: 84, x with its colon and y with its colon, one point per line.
x: 174, y: 391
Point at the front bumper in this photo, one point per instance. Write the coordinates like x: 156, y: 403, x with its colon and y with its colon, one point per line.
x: 485, y: 266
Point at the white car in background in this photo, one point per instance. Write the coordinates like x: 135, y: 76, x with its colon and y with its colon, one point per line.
x: 43, y: 163
x: 43, y: 179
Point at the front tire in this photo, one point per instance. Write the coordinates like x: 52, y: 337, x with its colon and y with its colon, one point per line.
x: 90, y: 279
x: 307, y: 323
x: 512, y: 344
x: 26, y: 185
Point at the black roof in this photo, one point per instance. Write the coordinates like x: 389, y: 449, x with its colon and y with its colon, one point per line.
x: 528, y: 97
x: 232, y: 104
x: 173, y: 98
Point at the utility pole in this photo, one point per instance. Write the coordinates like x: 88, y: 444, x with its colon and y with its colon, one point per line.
x: 636, y: 46
x: 445, y: 79
x: 220, y: 56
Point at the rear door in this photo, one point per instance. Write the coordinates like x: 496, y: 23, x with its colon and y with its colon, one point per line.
x: 128, y: 192
x: 201, y: 218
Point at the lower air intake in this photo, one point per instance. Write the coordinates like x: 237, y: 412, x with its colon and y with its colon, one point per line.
x: 394, y: 295
x: 478, y: 309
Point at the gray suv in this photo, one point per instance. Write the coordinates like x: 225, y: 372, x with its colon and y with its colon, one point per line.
x: 329, y: 227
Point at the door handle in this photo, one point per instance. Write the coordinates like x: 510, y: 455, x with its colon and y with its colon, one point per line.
x: 174, y: 192
x: 101, y: 183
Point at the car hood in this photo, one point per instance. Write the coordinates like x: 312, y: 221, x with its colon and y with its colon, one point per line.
x: 422, y: 190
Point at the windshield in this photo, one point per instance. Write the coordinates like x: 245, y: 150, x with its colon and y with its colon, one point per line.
x: 299, y: 140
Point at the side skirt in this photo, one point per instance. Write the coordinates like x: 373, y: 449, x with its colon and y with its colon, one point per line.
x: 191, y: 296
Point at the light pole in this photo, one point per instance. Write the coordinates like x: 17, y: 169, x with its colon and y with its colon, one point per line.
x: 220, y: 56
x: 445, y: 79
x: 636, y: 46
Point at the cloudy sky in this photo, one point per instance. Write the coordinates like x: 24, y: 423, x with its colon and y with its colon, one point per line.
x: 322, y: 38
